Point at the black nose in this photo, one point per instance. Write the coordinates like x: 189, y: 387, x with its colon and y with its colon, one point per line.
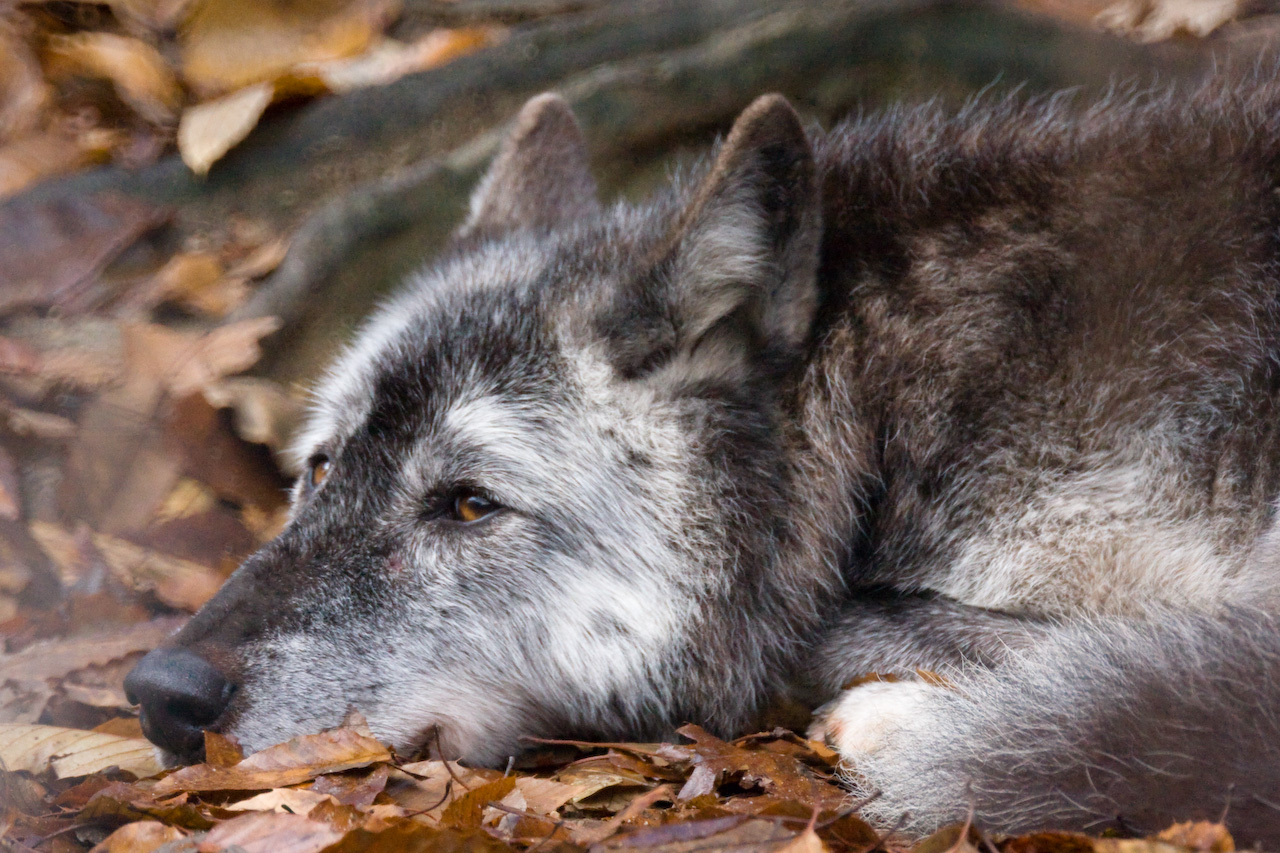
x: 180, y: 694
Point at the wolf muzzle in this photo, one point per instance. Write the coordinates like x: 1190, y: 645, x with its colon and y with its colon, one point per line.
x: 180, y: 694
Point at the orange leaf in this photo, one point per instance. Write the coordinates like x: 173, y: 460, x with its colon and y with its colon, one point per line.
x: 298, y: 760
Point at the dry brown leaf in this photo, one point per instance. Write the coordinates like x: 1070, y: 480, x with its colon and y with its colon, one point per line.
x: 71, y: 752
x: 1130, y: 845
x: 230, y: 44
x: 270, y: 832
x: 130, y: 450
x: 143, y: 836
x: 427, y: 788
x: 24, y: 95
x: 1200, y: 835
x: 32, y: 424
x: 59, y: 658
x: 140, y: 75
x: 121, y: 800
x: 1157, y: 20
x: 186, y: 364
x: 43, y: 154
x: 806, y: 842
x: 261, y: 260
x: 151, y: 15
x: 298, y: 760
x: 389, y: 60
x: 784, y: 776
x: 209, y: 130
x: 184, y: 274
x: 189, y: 497
x: 85, y: 353
x: 51, y: 251
x: 221, y: 750
x: 358, y: 789
x: 285, y: 800
x: 544, y: 796
x: 264, y: 412
x: 467, y: 811
x: 121, y: 727
x: 177, y: 582
x: 10, y: 497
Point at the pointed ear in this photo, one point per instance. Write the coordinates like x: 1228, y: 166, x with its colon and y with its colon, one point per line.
x: 743, y: 258
x: 540, y: 177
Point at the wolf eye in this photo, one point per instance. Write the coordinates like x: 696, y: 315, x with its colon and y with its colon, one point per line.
x: 318, y: 469
x: 467, y: 507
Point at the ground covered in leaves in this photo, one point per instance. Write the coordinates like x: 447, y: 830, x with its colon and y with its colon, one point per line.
x: 341, y: 790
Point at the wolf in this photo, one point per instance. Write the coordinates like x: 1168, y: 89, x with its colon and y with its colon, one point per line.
x: 983, y: 402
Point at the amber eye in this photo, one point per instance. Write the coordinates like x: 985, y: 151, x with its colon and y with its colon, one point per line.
x: 469, y: 507
x: 319, y: 470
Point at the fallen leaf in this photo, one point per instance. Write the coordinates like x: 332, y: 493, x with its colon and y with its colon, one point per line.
x: 189, y: 497
x: 354, y: 789
x: 236, y: 470
x: 51, y: 251
x: 232, y: 44
x: 467, y: 811
x: 71, y: 752
x: 544, y: 796
x: 285, y: 800
x: 186, y: 363
x: 264, y: 412
x: 49, y: 659
x: 10, y: 500
x: 806, y: 842
x: 298, y: 760
x: 269, y: 832
x: 121, y: 727
x: 784, y: 776
x: 1123, y: 845
x: 1157, y: 20
x: 209, y: 130
x: 177, y: 582
x: 125, y: 801
x: 140, y: 75
x: 24, y: 95
x: 1200, y: 835
x: 389, y: 60
x: 726, y: 833
x: 956, y: 838
x: 141, y: 837
x: 221, y: 750
x: 261, y: 260
x: 42, y: 154
x: 589, y: 776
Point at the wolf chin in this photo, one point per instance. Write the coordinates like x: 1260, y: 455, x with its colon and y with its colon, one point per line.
x: 991, y: 395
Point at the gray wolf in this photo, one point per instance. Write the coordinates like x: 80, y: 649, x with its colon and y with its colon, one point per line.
x: 992, y: 395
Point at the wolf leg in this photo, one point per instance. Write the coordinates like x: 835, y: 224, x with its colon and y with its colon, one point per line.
x: 1093, y: 724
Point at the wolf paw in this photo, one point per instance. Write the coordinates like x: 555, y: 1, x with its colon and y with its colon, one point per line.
x: 861, y: 721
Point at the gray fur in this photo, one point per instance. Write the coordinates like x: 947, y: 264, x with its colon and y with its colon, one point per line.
x: 993, y: 395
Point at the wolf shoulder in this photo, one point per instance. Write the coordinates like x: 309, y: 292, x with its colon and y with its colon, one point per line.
x: 1057, y: 333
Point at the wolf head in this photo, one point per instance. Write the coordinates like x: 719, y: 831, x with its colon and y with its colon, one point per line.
x: 545, y: 489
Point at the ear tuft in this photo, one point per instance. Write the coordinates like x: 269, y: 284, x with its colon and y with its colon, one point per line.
x: 540, y: 178
x: 743, y: 257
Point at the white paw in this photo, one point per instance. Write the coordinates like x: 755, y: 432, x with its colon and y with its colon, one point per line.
x: 860, y: 721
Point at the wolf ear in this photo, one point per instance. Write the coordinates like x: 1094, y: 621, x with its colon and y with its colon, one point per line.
x: 742, y: 259
x: 540, y: 177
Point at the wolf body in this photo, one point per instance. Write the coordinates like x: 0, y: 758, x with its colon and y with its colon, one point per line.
x: 992, y: 395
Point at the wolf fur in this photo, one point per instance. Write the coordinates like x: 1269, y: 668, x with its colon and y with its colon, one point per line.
x: 991, y: 394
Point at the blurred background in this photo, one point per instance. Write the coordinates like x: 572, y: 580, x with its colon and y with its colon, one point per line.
x: 199, y: 199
